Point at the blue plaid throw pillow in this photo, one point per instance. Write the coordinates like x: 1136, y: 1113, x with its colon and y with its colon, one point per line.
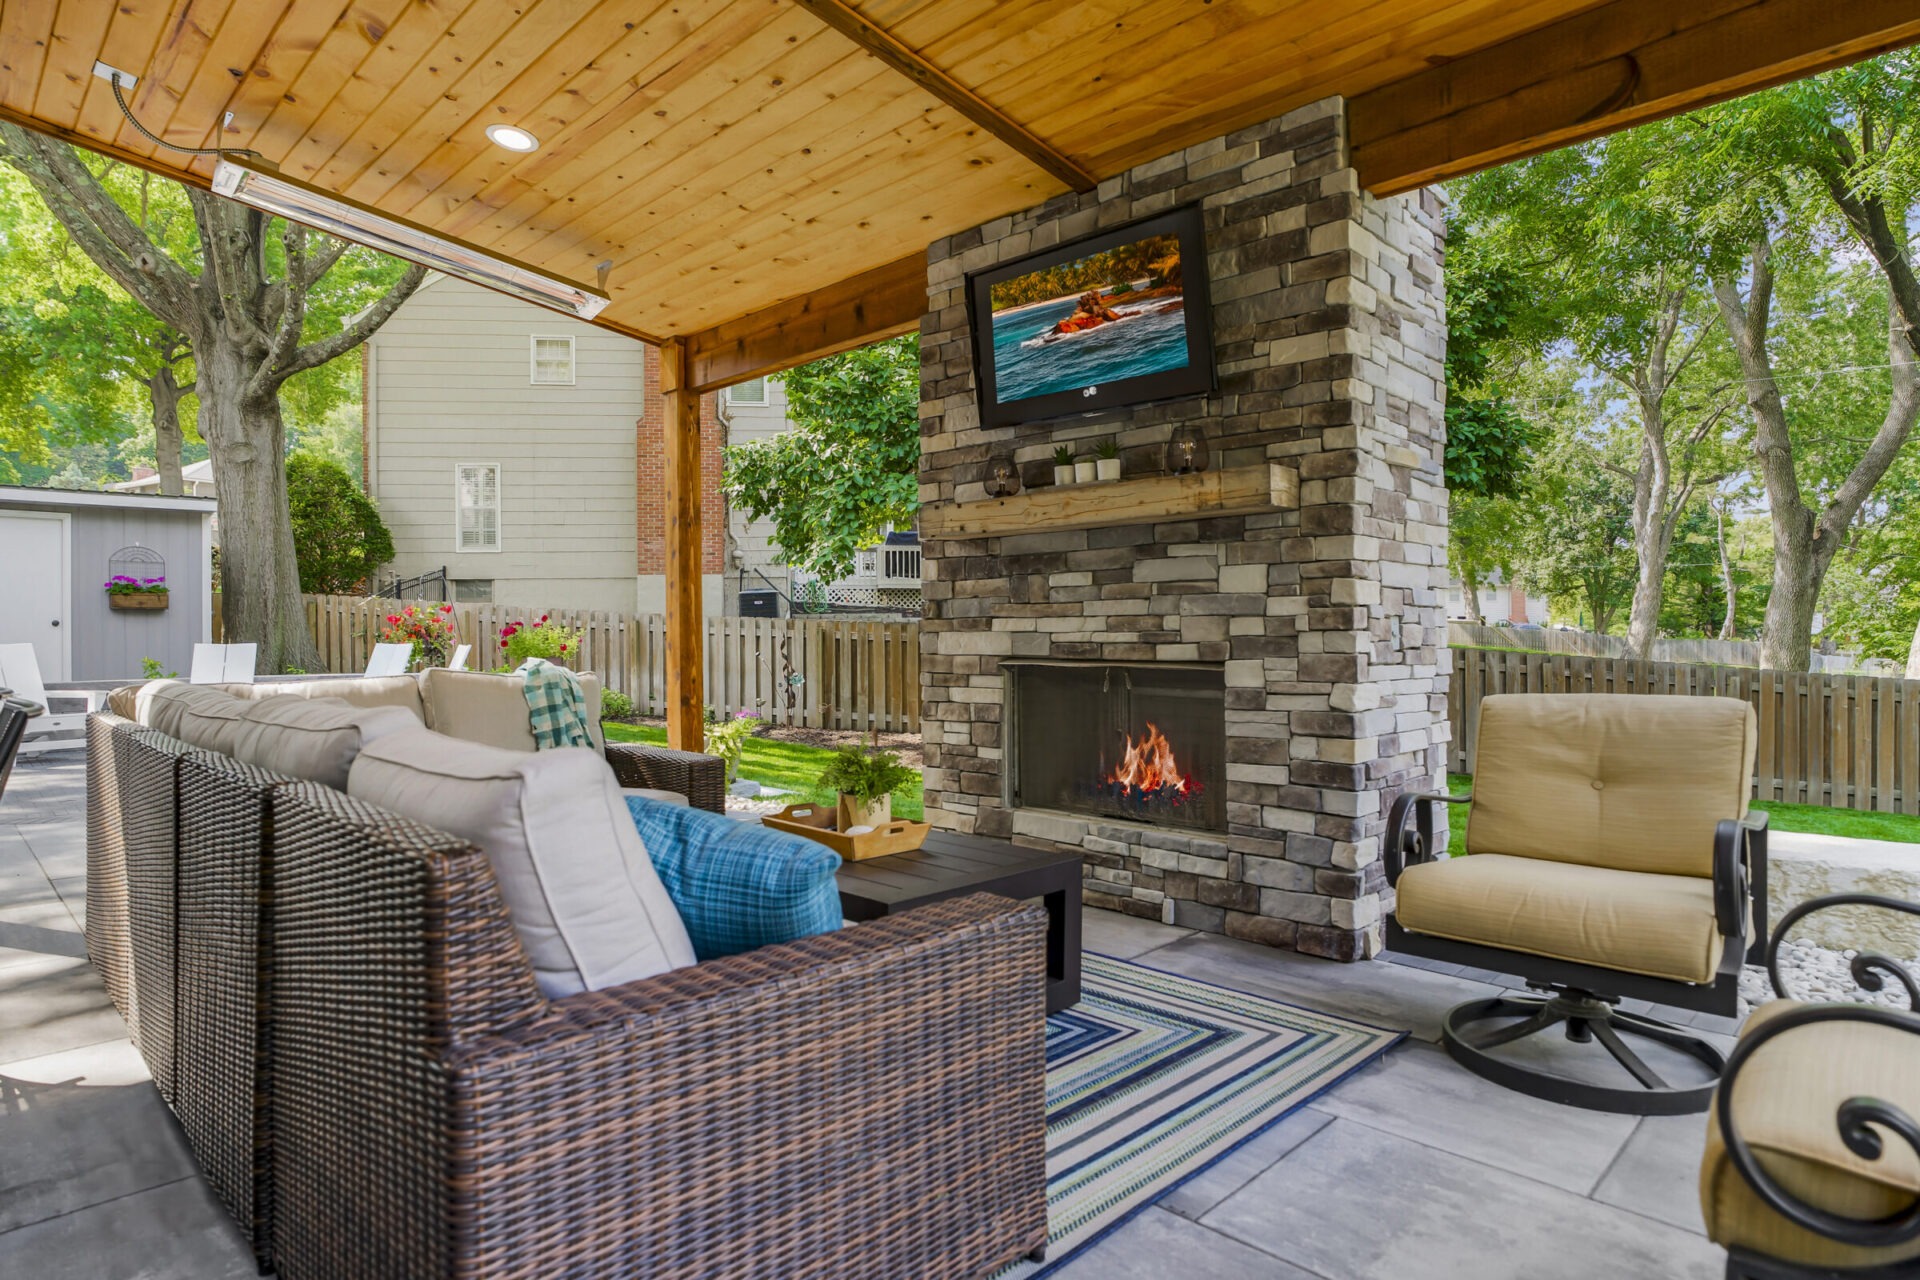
x: 738, y: 885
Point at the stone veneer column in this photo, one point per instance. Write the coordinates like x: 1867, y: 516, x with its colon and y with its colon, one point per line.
x: 1328, y: 621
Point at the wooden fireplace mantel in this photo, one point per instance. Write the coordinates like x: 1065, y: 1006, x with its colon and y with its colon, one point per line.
x: 1237, y: 491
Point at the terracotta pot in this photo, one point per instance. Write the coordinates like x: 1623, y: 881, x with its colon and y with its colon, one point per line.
x: 872, y: 813
x: 1109, y: 468
x: 1062, y: 475
x: 1085, y: 472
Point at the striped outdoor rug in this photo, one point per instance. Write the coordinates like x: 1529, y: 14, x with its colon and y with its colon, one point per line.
x: 1153, y: 1077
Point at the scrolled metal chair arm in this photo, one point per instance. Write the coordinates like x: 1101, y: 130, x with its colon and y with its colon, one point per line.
x: 1870, y: 969
x: 1860, y: 1121
x: 1734, y: 840
x: 1407, y: 847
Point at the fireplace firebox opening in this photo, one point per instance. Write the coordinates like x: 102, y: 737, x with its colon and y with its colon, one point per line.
x: 1136, y: 742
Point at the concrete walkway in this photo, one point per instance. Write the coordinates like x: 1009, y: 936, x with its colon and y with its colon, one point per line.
x: 1413, y: 1168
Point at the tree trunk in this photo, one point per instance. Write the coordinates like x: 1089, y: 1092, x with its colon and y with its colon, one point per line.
x: 166, y: 395
x: 1726, y: 572
x: 259, y: 577
x: 1470, y: 588
x: 1652, y: 541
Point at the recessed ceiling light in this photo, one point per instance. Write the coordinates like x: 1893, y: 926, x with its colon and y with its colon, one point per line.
x: 513, y: 139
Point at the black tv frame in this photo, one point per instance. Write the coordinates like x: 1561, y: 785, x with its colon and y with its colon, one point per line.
x: 1197, y: 378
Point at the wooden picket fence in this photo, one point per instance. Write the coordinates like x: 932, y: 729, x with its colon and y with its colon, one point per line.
x: 815, y: 673
x: 1848, y: 741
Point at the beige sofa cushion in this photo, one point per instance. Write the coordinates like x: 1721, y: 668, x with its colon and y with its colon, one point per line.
x: 206, y: 718
x: 1784, y: 1103
x: 358, y: 691
x: 156, y: 704
x: 583, y: 895
x: 479, y: 706
x: 1633, y: 921
x: 1632, y: 782
x: 313, y: 738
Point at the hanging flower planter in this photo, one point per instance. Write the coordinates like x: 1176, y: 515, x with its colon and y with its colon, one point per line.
x: 137, y: 579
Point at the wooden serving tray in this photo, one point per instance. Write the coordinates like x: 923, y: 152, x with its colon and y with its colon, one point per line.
x: 815, y: 822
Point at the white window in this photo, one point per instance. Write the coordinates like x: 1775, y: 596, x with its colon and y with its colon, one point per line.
x: 476, y: 506
x: 473, y: 590
x: 552, y: 362
x: 752, y: 391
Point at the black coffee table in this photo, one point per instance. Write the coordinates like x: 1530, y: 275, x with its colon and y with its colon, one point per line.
x: 950, y: 865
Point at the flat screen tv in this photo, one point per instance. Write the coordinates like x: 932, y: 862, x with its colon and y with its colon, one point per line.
x: 1115, y: 319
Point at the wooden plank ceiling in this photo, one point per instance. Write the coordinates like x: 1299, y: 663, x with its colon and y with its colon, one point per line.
x: 733, y: 158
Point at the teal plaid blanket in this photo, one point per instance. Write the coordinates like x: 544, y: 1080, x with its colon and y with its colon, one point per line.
x: 557, y: 704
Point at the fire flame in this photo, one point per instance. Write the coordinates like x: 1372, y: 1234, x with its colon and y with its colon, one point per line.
x: 1148, y: 765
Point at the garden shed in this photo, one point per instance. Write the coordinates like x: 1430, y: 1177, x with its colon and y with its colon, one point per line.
x: 59, y: 548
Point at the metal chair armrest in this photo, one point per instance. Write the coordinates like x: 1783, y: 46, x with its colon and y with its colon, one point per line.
x: 1407, y: 847
x: 1861, y: 1121
x: 1736, y: 841
x: 1870, y: 969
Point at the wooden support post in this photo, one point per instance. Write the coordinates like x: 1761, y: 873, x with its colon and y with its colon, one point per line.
x: 686, y: 621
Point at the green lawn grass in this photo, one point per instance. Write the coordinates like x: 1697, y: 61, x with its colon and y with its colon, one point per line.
x: 787, y: 765
x: 1814, y: 819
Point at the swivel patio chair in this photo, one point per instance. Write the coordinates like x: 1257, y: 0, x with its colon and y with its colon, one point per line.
x: 1609, y: 854
x: 14, y: 714
x: 1812, y: 1164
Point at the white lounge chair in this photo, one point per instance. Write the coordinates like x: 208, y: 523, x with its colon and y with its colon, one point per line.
x: 458, y: 662
x: 223, y: 663
x: 389, y: 660
x: 20, y: 672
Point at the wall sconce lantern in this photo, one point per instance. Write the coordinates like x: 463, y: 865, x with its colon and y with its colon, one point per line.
x: 1187, y: 451
x: 1003, y: 478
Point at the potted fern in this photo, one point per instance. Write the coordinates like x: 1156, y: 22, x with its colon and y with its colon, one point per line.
x: 865, y: 781
x: 1063, y: 465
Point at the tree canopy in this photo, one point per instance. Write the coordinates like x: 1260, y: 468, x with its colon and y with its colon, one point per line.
x: 850, y: 466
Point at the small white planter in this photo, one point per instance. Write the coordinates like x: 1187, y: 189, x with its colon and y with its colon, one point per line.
x: 1084, y: 472
x: 1062, y: 475
x: 1108, y: 468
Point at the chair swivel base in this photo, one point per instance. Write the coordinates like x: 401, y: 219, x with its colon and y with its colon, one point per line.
x: 1586, y: 1017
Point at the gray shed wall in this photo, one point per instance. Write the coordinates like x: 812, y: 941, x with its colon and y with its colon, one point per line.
x: 108, y: 644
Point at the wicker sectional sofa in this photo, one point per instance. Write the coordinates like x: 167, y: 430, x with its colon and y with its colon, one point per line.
x: 335, y: 1003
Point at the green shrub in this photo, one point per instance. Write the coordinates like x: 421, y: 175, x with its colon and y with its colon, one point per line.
x: 543, y: 639
x: 338, y: 537
x: 728, y: 738
x: 615, y: 705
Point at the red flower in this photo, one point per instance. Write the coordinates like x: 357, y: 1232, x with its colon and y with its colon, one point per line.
x: 563, y: 648
x: 394, y: 618
x: 446, y: 608
x: 543, y: 617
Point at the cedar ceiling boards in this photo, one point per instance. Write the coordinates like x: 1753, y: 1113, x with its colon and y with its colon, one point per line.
x: 750, y: 166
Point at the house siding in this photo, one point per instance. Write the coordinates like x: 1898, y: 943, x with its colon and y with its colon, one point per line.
x: 450, y: 383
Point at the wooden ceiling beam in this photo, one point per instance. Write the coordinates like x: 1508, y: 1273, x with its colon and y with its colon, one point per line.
x: 1603, y: 70
x: 881, y: 303
x: 880, y: 42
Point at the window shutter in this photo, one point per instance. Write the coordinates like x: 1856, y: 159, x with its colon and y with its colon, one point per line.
x: 552, y: 362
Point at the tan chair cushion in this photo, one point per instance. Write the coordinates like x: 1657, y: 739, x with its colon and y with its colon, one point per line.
x: 1636, y: 783
x: 479, y: 706
x: 1784, y: 1104
x: 1633, y: 921
x: 358, y: 691
x: 121, y: 701
x: 315, y: 739
x: 156, y: 704
x: 584, y: 897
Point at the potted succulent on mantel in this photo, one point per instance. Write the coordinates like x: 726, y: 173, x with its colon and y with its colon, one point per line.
x: 1085, y: 470
x: 1106, y: 459
x: 866, y: 781
x: 124, y: 592
x: 1063, y: 465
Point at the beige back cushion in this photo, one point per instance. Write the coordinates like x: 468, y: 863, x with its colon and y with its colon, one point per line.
x: 315, y: 739
x: 1637, y: 783
x: 478, y: 706
x: 577, y: 881
x: 204, y: 717
x: 358, y: 691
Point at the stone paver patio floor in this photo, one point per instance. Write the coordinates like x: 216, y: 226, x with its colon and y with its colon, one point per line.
x: 1412, y: 1168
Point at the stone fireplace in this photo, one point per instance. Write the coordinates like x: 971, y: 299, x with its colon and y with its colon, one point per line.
x: 1143, y: 743
x: 1215, y: 710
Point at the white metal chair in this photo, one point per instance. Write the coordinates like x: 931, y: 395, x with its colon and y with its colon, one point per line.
x: 389, y: 660
x: 223, y: 663
x: 20, y: 672
x: 458, y: 662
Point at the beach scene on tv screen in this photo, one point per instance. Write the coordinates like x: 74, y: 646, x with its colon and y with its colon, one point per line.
x: 1095, y: 320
